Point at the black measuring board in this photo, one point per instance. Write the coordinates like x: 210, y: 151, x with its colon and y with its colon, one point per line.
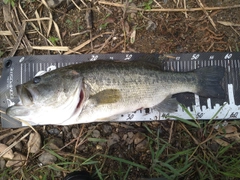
x: 20, y: 69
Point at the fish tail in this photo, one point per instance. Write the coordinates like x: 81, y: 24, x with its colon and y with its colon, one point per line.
x: 209, y: 81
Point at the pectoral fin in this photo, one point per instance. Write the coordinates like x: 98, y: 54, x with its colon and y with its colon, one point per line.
x: 107, y: 96
x: 167, y: 105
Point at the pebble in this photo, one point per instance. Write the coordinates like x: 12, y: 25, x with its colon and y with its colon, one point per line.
x: 113, y: 138
x: 18, y: 146
x: 55, y: 143
x: 75, y: 132
x: 17, y: 161
x: 54, y: 131
x: 151, y: 26
x: 2, y: 163
x: 139, y: 137
x: 34, y: 142
x: 107, y: 129
x: 9, y: 154
x: 142, y: 146
x: 96, y: 133
x: 47, y: 158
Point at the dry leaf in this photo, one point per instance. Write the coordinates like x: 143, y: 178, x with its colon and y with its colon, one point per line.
x: 227, y: 23
x: 227, y: 129
x: 18, y: 160
x: 133, y: 36
x: 8, y: 154
x: 34, y: 142
x: 234, y: 136
x: 221, y: 142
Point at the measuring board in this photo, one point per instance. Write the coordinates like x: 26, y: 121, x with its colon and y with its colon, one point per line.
x: 20, y: 69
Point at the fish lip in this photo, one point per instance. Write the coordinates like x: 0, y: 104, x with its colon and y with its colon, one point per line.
x: 24, y: 93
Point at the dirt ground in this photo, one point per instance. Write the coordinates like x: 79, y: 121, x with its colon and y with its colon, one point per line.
x: 150, y: 26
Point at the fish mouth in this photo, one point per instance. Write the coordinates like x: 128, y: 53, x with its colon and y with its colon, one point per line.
x: 25, y: 95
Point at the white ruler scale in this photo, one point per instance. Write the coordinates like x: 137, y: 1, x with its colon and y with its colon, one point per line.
x: 20, y: 69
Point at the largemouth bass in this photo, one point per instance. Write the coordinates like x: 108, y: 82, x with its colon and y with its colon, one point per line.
x: 102, y: 90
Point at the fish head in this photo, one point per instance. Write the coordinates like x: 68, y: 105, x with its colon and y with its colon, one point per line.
x: 54, y: 95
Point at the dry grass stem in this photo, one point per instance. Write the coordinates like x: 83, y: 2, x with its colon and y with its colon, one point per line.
x: 169, y: 9
x: 158, y: 4
x: 18, y: 41
x: 185, y: 7
x: 5, y: 33
x: 13, y: 144
x: 104, y: 44
x: 206, y: 13
x: 226, y: 23
x: 12, y: 132
x: 76, y: 5
x: 51, y: 48
x: 83, y: 32
x: 85, y: 43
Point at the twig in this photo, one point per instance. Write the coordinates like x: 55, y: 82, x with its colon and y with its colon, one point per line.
x: 206, y: 13
x: 9, y: 27
x: 76, y: 5
x: 51, y: 48
x: 12, y: 145
x: 83, y: 32
x: 85, y: 43
x: 226, y: 23
x: 170, y: 134
x: 18, y: 26
x: 12, y: 132
x: 168, y: 9
x: 235, y: 30
x: 5, y: 33
x: 158, y: 4
x: 117, y: 45
x: 104, y: 44
x: 18, y: 41
x: 185, y: 7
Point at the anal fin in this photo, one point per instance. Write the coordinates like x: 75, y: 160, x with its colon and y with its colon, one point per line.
x: 167, y: 105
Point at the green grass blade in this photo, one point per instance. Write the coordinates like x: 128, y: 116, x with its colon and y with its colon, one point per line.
x: 126, y: 174
x: 189, y: 122
x: 98, y: 173
x: 158, y: 169
x: 96, y: 140
x: 124, y: 161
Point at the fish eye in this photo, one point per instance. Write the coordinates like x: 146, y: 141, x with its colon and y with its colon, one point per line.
x: 36, y: 79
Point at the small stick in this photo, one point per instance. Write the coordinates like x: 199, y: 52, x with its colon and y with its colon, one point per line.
x: 5, y: 33
x: 85, y: 43
x: 168, y: 9
x: 12, y: 145
x: 170, y: 134
x: 158, y: 4
x: 75, y: 4
x: 104, y: 44
x: 185, y: 7
x: 206, y: 13
x: 51, y: 48
x: 17, y: 25
x: 9, y: 27
x: 18, y: 41
x: 12, y: 132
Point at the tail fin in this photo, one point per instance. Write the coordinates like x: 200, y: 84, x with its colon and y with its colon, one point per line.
x: 209, y: 79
